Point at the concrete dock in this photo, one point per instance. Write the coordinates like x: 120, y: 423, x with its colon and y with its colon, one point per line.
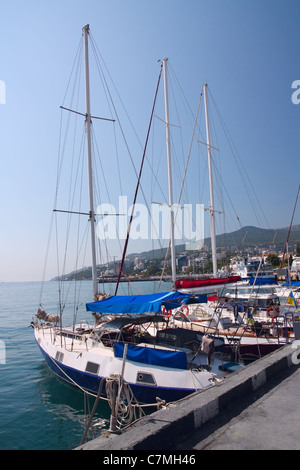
x: 257, y: 407
x: 265, y: 420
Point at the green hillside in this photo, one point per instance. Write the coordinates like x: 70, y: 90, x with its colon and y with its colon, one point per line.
x: 237, y: 240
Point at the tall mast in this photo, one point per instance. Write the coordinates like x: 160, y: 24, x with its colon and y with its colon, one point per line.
x: 289, y: 231
x: 173, y: 260
x: 85, y: 31
x: 211, y: 190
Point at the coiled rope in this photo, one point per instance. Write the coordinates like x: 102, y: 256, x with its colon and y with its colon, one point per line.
x: 122, y: 402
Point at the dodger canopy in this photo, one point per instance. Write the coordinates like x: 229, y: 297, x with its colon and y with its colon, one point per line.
x: 152, y: 303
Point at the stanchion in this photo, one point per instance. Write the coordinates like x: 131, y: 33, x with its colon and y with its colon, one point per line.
x: 117, y: 384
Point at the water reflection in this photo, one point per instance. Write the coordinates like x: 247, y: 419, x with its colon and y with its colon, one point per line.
x: 69, y: 407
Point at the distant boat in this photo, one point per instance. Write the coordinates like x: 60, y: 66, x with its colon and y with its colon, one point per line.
x: 197, y: 285
x: 285, y: 289
x: 255, y: 271
x: 295, y: 267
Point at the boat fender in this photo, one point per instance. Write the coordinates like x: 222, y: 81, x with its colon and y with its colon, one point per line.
x: 185, y: 310
x: 42, y: 315
x: 166, y: 313
x: 273, y: 312
x: 207, y: 345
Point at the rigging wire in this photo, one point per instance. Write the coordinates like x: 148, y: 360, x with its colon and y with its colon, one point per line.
x: 241, y: 168
x: 97, y: 187
x: 190, y: 116
x: 113, y: 107
x: 75, y: 68
x: 220, y: 187
x: 183, y: 181
x: 137, y: 186
x: 290, y: 228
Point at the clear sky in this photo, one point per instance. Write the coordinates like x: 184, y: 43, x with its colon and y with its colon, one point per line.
x: 246, y: 50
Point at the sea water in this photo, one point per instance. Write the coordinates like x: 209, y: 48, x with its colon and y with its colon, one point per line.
x: 39, y: 411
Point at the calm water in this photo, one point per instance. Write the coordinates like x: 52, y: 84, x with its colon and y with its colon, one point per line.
x: 37, y: 410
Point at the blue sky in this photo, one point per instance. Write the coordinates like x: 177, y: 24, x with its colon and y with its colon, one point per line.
x: 247, y: 51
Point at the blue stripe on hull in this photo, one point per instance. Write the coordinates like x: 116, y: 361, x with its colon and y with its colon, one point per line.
x: 86, y: 381
x: 89, y: 382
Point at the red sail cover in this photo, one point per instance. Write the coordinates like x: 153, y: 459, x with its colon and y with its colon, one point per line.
x: 213, y: 281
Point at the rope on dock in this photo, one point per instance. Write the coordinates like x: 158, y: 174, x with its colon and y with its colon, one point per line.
x: 125, y: 409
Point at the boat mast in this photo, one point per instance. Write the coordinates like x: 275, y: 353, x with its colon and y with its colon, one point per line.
x: 211, y: 191
x: 172, y: 245
x: 85, y: 31
x: 289, y: 231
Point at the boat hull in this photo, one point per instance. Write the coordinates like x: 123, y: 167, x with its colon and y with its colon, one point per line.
x: 169, y: 385
x: 89, y: 383
x: 251, y: 352
x: 206, y: 283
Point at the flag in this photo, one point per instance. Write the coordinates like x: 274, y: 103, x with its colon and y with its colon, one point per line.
x: 291, y: 300
x: 250, y: 319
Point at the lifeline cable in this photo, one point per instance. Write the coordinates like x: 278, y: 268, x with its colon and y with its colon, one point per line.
x: 137, y: 186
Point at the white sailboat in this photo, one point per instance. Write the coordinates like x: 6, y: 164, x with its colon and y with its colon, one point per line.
x: 246, y: 322
x: 214, y: 282
x: 250, y: 327
x: 167, y: 363
x: 254, y: 269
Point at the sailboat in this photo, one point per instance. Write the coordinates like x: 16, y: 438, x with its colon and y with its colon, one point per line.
x: 207, y: 284
x: 130, y: 335
x: 245, y: 334
x: 232, y: 317
x: 213, y: 282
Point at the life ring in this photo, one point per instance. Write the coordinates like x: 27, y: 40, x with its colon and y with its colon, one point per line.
x: 166, y: 313
x: 185, y: 310
x: 273, y: 312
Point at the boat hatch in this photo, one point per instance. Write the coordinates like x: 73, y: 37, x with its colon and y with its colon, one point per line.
x: 178, y: 337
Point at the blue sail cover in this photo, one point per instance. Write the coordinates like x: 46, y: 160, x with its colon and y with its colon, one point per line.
x: 159, y: 357
x: 261, y: 281
x: 292, y: 283
x: 128, y: 304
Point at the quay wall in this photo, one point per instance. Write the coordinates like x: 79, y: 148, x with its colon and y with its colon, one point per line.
x: 163, y: 429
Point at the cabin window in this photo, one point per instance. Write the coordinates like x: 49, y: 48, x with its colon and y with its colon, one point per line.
x: 59, y: 356
x: 145, y: 378
x: 92, y: 367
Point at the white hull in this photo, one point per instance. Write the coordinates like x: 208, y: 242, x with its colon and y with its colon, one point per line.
x: 85, y: 362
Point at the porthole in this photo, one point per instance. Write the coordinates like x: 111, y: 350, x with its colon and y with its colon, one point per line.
x: 145, y: 378
x: 59, y: 356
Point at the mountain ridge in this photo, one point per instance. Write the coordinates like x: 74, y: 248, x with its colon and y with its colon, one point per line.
x: 238, y: 239
x: 243, y: 236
